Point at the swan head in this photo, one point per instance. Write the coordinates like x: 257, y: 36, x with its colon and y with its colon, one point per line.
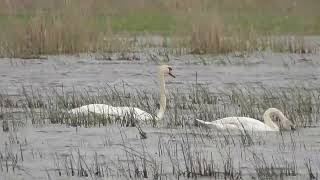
x: 282, y: 121
x: 166, y: 70
x: 285, y: 123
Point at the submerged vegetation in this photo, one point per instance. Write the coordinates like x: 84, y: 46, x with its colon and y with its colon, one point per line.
x: 34, y: 27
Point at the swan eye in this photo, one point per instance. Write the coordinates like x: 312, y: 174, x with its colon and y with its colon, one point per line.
x: 170, y: 69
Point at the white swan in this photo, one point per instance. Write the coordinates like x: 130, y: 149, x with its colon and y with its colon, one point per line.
x: 138, y: 114
x: 250, y: 124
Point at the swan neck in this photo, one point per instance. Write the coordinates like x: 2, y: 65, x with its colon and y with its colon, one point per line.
x: 268, y: 121
x: 162, y: 97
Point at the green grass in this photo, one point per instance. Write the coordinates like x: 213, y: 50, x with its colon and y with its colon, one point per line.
x: 140, y: 22
x: 165, y: 23
x: 276, y: 24
x: 6, y: 19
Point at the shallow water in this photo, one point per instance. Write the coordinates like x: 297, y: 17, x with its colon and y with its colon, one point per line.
x: 269, y: 69
x: 41, y: 145
x: 48, y: 148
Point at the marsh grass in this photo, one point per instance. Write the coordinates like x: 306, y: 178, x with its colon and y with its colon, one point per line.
x: 11, y: 159
x: 181, y: 156
x: 311, y: 173
x: 214, y: 38
x: 137, y: 163
x: 278, y: 169
x: 299, y: 104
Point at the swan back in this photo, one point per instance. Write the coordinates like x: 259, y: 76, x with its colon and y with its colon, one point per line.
x: 238, y: 123
x: 91, y: 108
x: 108, y: 110
x: 243, y: 124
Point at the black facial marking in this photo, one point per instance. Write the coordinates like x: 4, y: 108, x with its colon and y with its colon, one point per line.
x: 170, y: 69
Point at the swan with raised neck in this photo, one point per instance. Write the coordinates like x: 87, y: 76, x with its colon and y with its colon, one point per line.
x: 108, y: 110
x: 163, y: 70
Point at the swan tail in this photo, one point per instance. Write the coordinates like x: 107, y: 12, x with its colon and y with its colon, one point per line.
x: 74, y: 111
x: 202, y: 122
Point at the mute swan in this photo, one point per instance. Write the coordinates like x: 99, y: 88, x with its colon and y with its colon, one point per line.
x: 108, y: 110
x: 250, y: 124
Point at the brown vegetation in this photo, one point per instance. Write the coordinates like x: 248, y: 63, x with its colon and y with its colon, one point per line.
x: 33, y: 27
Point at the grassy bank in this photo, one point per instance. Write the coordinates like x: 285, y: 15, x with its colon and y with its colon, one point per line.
x: 36, y: 27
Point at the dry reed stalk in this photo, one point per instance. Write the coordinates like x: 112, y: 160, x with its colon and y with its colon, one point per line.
x: 34, y: 27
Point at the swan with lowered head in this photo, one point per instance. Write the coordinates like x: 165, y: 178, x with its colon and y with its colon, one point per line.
x: 138, y: 114
x: 250, y: 124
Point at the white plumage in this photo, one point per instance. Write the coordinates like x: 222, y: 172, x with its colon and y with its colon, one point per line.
x: 250, y: 124
x: 108, y: 110
x: 111, y: 111
x: 238, y: 123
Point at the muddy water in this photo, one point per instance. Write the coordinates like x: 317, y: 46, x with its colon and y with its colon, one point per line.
x: 46, y: 148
